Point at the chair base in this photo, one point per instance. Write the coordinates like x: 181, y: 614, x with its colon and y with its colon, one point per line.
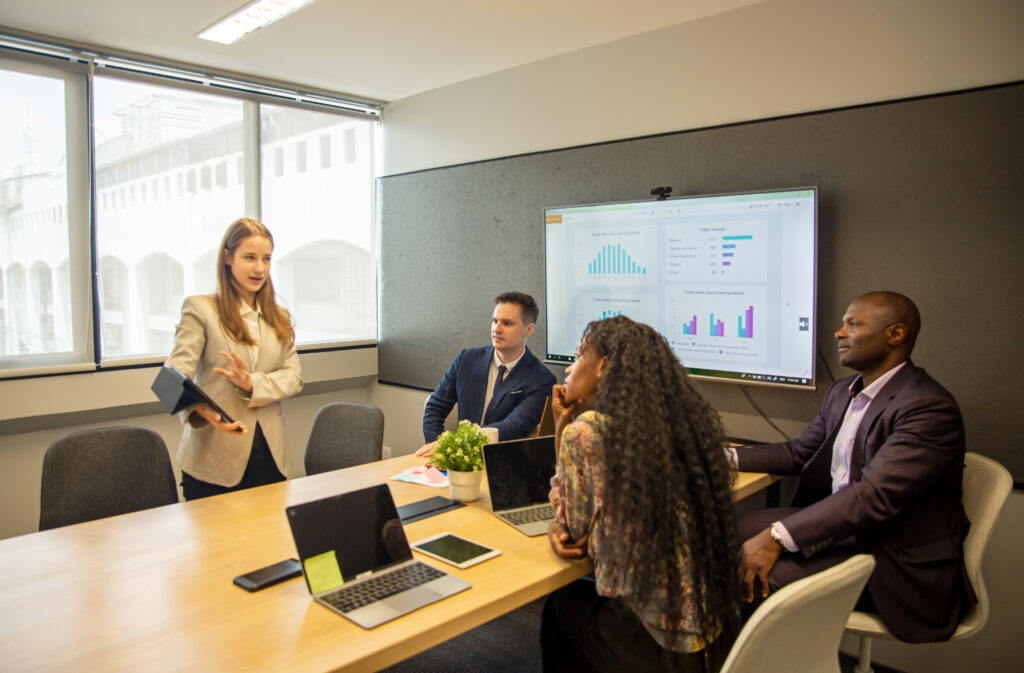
x: 864, y: 660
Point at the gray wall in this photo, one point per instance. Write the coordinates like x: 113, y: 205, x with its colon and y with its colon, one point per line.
x: 921, y: 196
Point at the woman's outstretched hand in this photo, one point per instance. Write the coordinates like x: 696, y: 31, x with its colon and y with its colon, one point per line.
x: 237, y: 374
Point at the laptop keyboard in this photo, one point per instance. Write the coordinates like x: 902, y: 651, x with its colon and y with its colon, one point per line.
x: 529, y: 515
x: 374, y: 589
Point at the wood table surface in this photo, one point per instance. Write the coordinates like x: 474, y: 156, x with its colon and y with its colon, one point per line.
x: 152, y: 591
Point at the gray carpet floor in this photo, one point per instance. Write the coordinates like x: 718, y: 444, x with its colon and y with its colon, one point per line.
x: 508, y: 644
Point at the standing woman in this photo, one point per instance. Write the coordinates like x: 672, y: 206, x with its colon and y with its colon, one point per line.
x: 643, y: 488
x: 239, y: 345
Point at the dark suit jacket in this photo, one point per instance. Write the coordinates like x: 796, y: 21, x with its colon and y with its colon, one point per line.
x: 903, y: 503
x: 515, y: 408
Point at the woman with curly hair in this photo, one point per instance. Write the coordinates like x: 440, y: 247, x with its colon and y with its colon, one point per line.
x: 643, y: 488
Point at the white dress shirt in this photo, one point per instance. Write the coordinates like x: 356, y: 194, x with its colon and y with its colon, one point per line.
x: 492, y: 377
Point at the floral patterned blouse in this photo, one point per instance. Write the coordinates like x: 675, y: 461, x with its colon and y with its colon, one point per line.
x: 577, y: 493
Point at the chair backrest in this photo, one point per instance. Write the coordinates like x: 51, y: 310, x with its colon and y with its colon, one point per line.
x: 987, y: 484
x: 798, y: 628
x: 103, y: 472
x: 344, y: 434
x: 451, y: 421
x: 547, y: 419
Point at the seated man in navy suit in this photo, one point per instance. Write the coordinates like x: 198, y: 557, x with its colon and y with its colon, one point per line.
x: 502, y: 386
x: 881, y: 469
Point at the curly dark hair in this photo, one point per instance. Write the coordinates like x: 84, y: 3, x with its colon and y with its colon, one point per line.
x: 667, y: 474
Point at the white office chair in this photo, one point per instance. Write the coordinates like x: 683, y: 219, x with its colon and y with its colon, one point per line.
x: 798, y: 628
x: 987, y: 484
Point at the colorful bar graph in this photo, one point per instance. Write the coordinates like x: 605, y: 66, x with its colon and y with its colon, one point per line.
x: 717, y: 327
x: 690, y: 328
x: 727, y: 261
x: 609, y: 314
x: 748, y: 331
x: 612, y: 259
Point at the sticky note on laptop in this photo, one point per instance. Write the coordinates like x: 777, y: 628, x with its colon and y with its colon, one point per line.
x: 322, y: 572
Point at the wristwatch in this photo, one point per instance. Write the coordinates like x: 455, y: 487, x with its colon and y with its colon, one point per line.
x: 774, y: 532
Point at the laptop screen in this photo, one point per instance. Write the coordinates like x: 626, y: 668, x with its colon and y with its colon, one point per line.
x: 519, y: 472
x: 352, y: 533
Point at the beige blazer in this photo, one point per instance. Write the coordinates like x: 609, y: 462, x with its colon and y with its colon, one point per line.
x: 212, y: 455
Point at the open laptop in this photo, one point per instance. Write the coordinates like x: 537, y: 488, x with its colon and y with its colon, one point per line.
x: 519, y: 478
x: 357, y: 561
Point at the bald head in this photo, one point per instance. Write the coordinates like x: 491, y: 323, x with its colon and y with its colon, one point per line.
x: 901, y: 310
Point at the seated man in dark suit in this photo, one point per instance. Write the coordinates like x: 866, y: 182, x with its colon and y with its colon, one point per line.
x: 881, y: 471
x: 502, y: 386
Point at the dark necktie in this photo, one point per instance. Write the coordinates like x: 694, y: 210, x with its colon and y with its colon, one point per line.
x: 501, y: 376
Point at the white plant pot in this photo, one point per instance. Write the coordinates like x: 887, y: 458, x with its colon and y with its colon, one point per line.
x: 464, y: 486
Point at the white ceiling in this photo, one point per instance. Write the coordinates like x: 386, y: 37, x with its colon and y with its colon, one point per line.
x: 381, y: 49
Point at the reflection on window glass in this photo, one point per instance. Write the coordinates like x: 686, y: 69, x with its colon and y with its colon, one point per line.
x: 321, y: 218
x: 35, y: 316
x: 147, y: 136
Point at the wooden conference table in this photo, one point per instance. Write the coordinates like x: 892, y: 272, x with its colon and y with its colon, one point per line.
x: 152, y: 591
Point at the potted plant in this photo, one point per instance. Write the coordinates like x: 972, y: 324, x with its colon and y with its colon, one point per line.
x: 461, y: 453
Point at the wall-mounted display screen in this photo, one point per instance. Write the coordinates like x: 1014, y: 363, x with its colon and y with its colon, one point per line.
x: 728, y: 279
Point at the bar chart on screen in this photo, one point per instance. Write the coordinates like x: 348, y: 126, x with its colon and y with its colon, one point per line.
x: 715, y: 323
x: 596, y: 305
x: 735, y: 252
x: 620, y: 256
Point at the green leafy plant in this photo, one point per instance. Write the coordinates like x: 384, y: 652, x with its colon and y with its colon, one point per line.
x: 462, y: 450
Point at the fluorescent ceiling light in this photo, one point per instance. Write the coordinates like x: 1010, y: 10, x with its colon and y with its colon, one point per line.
x: 251, y: 17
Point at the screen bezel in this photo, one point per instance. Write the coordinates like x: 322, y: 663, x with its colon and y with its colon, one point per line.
x: 721, y: 376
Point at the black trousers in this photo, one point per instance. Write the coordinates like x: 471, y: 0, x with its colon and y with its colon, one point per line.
x: 259, y: 471
x: 582, y: 631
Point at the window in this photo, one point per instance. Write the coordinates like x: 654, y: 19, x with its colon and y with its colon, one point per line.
x: 350, y: 145
x: 113, y: 283
x: 278, y: 162
x: 321, y: 274
x: 325, y: 151
x: 38, y: 171
x: 135, y: 124
x: 170, y: 173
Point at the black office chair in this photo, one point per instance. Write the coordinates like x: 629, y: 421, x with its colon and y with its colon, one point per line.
x: 344, y: 434
x: 104, y: 472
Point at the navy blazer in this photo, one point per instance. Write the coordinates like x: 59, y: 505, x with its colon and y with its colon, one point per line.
x: 903, y: 503
x: 515, y: 407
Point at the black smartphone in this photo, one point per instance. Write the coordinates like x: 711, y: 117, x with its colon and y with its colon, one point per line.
x: 269, y: 576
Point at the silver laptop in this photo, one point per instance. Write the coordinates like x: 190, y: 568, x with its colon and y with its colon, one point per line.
x: 519, y: 477
x: 356, y: 559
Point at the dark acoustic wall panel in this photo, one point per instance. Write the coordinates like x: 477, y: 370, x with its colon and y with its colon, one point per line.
x: 925, y: 197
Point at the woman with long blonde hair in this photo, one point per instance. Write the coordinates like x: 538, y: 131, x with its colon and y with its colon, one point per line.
x: 239, y: 345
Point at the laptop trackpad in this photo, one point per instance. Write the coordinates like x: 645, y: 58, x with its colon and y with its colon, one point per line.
x: 407, y: 601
